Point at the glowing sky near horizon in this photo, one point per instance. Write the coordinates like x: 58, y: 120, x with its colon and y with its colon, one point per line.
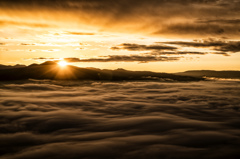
x: 163, y: 36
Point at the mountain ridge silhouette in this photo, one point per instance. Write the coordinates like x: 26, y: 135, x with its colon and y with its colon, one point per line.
x: 51, y: 70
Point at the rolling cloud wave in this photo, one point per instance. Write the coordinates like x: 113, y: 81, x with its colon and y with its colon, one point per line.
x: 59, y: 119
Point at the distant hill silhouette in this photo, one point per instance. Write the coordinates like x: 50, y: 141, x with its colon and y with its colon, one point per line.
x: 9, y: 67
x: 50, y: 70
x: 210, y: 73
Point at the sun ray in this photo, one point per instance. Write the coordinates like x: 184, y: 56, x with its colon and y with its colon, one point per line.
x: 62, y: 63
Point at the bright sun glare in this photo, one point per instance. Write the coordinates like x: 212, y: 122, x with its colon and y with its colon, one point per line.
x: 62, y: 63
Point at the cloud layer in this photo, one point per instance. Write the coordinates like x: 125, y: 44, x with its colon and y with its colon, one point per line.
x: 215, y: 46
x: 163, y: 51
x: 59, y: 119
x: 172, y: 17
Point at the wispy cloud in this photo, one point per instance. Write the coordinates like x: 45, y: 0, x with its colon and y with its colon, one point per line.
x: 79, y: 33
x: 25, y: 44
x: 29, y: 24
x: 137, y: 47
x: 217, y: 45
x: 125, y: 58
x: 118, y: 58
x: 220, y: 21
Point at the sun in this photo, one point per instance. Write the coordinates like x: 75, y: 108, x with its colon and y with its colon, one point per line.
x: 62, y: 63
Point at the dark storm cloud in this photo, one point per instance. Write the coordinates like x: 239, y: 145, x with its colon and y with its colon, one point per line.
x: 137, y: 47
x: 125, y: 58
x: 143, y: 120
x: 103, y: 3
x: 217, y: 45
x: 149, y: 16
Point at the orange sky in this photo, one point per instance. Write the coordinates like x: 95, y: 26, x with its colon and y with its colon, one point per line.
x: 163, y: 36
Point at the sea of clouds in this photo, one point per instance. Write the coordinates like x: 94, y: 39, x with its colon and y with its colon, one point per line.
x: 72, y: 120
